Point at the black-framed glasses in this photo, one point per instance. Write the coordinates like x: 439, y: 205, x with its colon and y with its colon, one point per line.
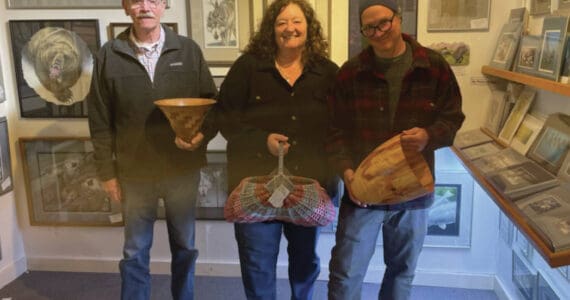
x: 382, y: 26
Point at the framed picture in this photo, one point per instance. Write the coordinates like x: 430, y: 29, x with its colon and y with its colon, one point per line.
x: 526, y: 134
x: 497, y: 104
x: 53, y: 61
x: 116, y: 28
x: 544, y: 290
x: 6, y: 183
x: 456, y: 54
x: 564, y: 4
x: 524, y: 277
x: 507, y: 45
x: 554, y: 30
x: 61, y: 4
x: 2, y: 92
x: 62, y: 186
x: 527, y: 58
x: 222, y: 29
x: 564, y: 172
x: 551, y: 146
x: 458, y: 15
x: 506, y: 229
x: 538, y: 7
x: 522, y: 245
x: 522, y: 105
x: 481, y: 150
x: 356, y: 42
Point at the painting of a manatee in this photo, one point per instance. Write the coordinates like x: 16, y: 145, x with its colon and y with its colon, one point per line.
x: 54, y: 61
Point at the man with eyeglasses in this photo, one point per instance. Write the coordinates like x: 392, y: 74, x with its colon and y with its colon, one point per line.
x: 394, y: 86
x: 138, y: 157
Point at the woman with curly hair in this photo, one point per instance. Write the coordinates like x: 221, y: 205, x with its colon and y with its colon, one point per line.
x: 276, y: 93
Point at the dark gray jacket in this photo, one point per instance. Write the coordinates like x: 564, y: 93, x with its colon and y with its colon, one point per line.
x: 131, y: 136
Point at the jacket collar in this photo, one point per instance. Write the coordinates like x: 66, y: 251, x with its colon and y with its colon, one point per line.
x: 419, y: 55
x: 124, y: 45
x: 269, y: 64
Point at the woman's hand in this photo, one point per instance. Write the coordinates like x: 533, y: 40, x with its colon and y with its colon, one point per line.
x: 193, y: 145
x: 273, y: 141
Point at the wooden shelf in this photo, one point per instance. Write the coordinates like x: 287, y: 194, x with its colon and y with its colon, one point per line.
x: 554, y: 259
x: 540, y: 83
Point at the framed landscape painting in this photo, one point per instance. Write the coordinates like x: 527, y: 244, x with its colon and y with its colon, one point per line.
x: 553, y: 142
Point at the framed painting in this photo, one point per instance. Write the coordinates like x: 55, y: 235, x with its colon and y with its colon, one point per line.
x: 564, y: 4
x: 524, y: 276
x: 62, y: 4
x: 53, y: 62
x: 2, y: 92
x: 507, y: 45
x: 528, y: 54
x: 458, y: 15
x: 61, y: 184
x: 116, y: 28
x: 526, y: 134
x: 554, y: 30
x: 6, y: 183
x: 356, y: 42
x: 539, y: 7
x: 551, y: 146
x: 221, y: 28
x: 517, y: 114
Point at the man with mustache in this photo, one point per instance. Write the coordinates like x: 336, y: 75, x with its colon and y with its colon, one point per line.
x: 138, y: 157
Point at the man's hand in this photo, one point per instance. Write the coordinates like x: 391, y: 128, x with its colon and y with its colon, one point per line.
x: 348, y: 178
x: 193, y: 145
x: 273, y: 143
x: 414, y: 139
x: 113, y: 189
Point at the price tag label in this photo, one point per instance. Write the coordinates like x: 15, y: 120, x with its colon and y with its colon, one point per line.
x: 278, y: 196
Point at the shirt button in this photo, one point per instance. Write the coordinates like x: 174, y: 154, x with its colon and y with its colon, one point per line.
x: 294, y: 118
x: 259, y: 155
x: 294, y: 143
x: 381, y: 108
x: 292, y: 94
x: 296, y: 168
x: 258, y: 98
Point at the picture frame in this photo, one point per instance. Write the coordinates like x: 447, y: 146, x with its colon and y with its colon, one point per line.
x: 544, y: 290
x: 62, y: 186
x: 6, y: 183
x: 564, y: 172
x: 523, y: 276
x: 2, y: 91
x: 528, y: 55
x: 554, y: 29
x: 458, y: 15
x: 507, y: 46
x: 356, y: 42
x: 522, y: 245
x: 517, y: 114
x: 456, y: 53
x: 564, y: 4
x: 66, y: 4
x: 475, y: 152
x: 553, y: 142
x: 44, y: 92
x: 539, y: 7
x: 220, y: 49
x: 497, y: 104
x: 115, y: 29
x: 526, y: 133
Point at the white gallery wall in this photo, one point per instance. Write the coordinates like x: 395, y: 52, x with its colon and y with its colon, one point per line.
x: 98, y: 249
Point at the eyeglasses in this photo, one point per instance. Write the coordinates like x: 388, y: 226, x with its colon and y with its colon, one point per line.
x: 382, y: 26
x: 140, y: 3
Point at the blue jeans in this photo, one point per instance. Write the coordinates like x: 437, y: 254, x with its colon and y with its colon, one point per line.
x: 258, y: 245
x: 140, y: 203
x: 403, y: 232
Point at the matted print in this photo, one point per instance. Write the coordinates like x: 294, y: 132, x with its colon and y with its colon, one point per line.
x: 528, y: 55
x: 458, y: 15
x: 53, y: 61
x: 6, y: 184
x: 554, y: 30
x: 538, y: 7
x: 62, y: 186
x: 551, y: 146
x: 62, y: 4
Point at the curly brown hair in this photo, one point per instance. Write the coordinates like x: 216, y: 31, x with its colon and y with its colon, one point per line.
x: 263, y: 44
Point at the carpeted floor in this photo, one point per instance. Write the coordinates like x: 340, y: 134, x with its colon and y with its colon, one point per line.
x: 38, y: 285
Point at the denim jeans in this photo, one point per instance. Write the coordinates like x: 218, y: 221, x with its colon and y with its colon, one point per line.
x: 258, y: 245
x: 140, y: 203
x: 403, y: 232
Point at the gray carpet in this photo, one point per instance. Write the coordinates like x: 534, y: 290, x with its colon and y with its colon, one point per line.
x: 38, y: 285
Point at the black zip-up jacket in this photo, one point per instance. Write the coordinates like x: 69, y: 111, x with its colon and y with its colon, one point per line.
x: 131, y: 136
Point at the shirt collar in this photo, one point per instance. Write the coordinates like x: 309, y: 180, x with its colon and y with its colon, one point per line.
x: 148, y: 46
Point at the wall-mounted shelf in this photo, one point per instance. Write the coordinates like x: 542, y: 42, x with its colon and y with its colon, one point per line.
x: 554, y: 259
x: 540, y: 83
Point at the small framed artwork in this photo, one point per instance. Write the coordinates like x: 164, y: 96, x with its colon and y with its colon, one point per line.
x: 564, y: 172
x: 524, y: 277
x: 6, y: 183
x: 551, y: 146
x: 458, y: 15
x: 456, y: 54
x: 527, y: 58
x: 526, y: 134
x: 544, y: 290
x: 507, y: 45
x: 62, y: 186
x: 552, y: 46
x: 62, y: 4
x: 564, y: 4
x: 116, y: 28
x: 522, y: 105
x: 522, y: 245
x: 222, y: 28
x: 475, y: 152
x: 53, y: 60
x: 539, y: 7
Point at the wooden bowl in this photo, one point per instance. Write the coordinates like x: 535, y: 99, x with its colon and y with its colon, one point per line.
x: 185, y: 115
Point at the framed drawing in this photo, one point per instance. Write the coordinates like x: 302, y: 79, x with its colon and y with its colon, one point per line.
x: 517, y: 114
x: 356, y: 42
x: 6, y: 183
x: 544, y: 289
x: 475, y: 152
x: 552, y: 144
x: 538, y: 7
x: 62, y: 4
x: 527, y: 58
x: 116, y: 28
x: 221, y: 28
x: 53, y: 61
x: 507, y: 45
x: 61, y: 184
x: 554, y: 30
x: 2, y: 93
x: 458, y: 15
x: 524, y: 276
x: 526, y: 134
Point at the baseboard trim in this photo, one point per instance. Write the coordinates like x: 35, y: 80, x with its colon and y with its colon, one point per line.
x: 12, y: 271
x: 225, y: 268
